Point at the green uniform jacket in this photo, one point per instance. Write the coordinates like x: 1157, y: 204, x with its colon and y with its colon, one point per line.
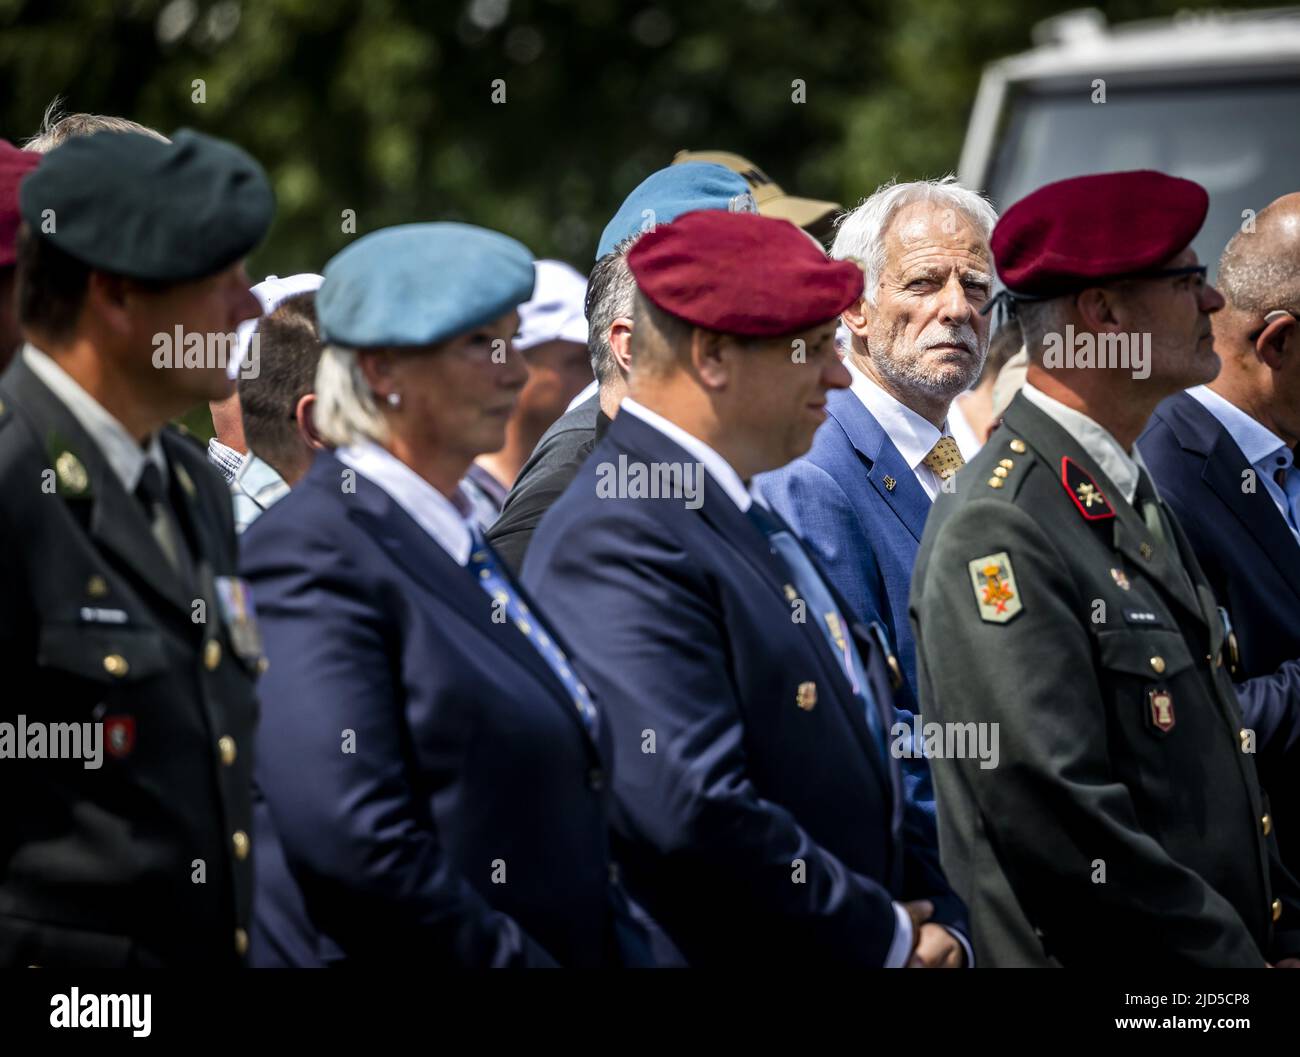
x: 144, y: 860
x: 1123, y: 823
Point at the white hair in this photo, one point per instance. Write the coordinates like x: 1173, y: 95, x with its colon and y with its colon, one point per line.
x: 345, y: 410
x: 860, y: 233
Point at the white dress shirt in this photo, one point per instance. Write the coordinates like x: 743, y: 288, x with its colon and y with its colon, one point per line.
x: 124, y: 454
x: 719, y: 469
x: 1264, y: 450
x: 444, y: 521
x: 1117, y: 464
x: 743, y: 496
x: 962, y: 431
x: 913, y: 435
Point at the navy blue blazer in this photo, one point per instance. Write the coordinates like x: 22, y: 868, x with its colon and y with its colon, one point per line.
x: 859, y: 506
x: 428, y: 792
x: 1253, y: 563
x: 742, y: 758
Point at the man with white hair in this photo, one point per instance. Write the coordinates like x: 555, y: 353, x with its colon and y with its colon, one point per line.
x: 860, y: 496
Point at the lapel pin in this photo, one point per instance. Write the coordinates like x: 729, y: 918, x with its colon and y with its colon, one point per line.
x: 806, y: 696
x: 889, y: 483
x: 72, y: 474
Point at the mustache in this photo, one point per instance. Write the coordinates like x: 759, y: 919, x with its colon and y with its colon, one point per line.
x: 963, y: 335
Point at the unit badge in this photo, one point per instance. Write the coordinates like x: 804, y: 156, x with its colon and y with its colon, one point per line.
x: 1161, y: 703
x: 119, y: 735
x: 996, y: 591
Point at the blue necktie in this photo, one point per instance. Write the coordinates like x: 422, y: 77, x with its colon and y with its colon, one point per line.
x: 493, y: 579
x: 813, y: 590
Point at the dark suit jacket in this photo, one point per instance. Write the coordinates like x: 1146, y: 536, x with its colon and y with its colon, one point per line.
x: 132, y: 863
x: 1253, y: 564
x: 726, y: 787
x: 431, y: 794
x: 1123, y: 824
x: 544, y: 477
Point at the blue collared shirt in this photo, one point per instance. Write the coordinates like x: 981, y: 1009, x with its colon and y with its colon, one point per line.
x: 255, y: 487
x: 1266, y: 452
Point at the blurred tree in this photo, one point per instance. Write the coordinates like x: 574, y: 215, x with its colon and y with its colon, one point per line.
x: 387, y: 108
x: 535, y: 117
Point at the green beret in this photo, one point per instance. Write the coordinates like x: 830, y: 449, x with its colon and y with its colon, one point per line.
x: 132, y: 205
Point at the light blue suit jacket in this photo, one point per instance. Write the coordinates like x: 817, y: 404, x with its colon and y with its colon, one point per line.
x: 855, y: 501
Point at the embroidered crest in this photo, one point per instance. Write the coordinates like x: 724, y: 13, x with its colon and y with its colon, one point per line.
x: 996, y: 591
x: 1161, y: 703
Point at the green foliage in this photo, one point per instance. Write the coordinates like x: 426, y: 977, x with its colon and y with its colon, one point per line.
x: 386, y: 108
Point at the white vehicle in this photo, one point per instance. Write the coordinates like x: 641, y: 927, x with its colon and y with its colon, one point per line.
x: 1211, y: 96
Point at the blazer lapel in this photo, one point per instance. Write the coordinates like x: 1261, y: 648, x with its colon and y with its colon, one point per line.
x: 887, y: 470
x: 114, y: 519
x: 740, y: 534
x: 1257, y: 513
x: 428, y: 564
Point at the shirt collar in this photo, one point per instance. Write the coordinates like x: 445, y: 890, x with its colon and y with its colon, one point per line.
x: 430, y: 509
x: 1257, y: 442
x: 718, y: 468
x: 258, y: 480
x: 913, y: 435
x: 1117, y: 464
x: 125, y: 457
x: 225, y: 459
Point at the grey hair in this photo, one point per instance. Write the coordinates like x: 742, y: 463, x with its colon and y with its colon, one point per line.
x: 611, y: 292
x: 1039, y: 319
x: 860, y: 233
x: 1254, y: 277
x: 58, y: 128
x: 345, y: 410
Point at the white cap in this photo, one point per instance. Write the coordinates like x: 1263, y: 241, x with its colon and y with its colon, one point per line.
x: 272, y: 292
x: 557, y: 309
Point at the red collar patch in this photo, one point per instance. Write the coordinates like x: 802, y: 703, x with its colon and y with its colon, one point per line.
x: 1092, y: 503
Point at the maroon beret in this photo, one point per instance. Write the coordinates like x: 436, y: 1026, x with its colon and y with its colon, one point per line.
x: 741, y: 273
x: 1079, y: 232
x: 14, y: 165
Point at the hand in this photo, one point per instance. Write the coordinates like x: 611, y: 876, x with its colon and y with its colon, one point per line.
x: 1288, y: 963
x: 938, y: 949
x: 919, y: 911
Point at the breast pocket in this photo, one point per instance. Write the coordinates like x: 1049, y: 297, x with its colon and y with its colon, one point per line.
x: 91, y: 663
x: 1158, y: 718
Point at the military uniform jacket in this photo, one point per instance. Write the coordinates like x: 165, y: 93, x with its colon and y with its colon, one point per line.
x: 1123, y: 823
x: 144, y: 860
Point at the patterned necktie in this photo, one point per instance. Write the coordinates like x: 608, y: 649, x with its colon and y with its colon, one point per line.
x: 493, y: 579
x: 944, y: 458
x: 812, y: 588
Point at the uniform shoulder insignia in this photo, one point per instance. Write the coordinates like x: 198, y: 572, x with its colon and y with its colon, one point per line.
x: 996, y: 592
x: 1083, y: 490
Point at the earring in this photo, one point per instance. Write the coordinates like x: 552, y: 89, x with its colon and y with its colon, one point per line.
x: 394, y: 400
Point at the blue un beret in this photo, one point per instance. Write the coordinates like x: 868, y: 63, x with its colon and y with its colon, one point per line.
x: 132, y: 205
x: 665, y: 195
x: 417, y: 284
